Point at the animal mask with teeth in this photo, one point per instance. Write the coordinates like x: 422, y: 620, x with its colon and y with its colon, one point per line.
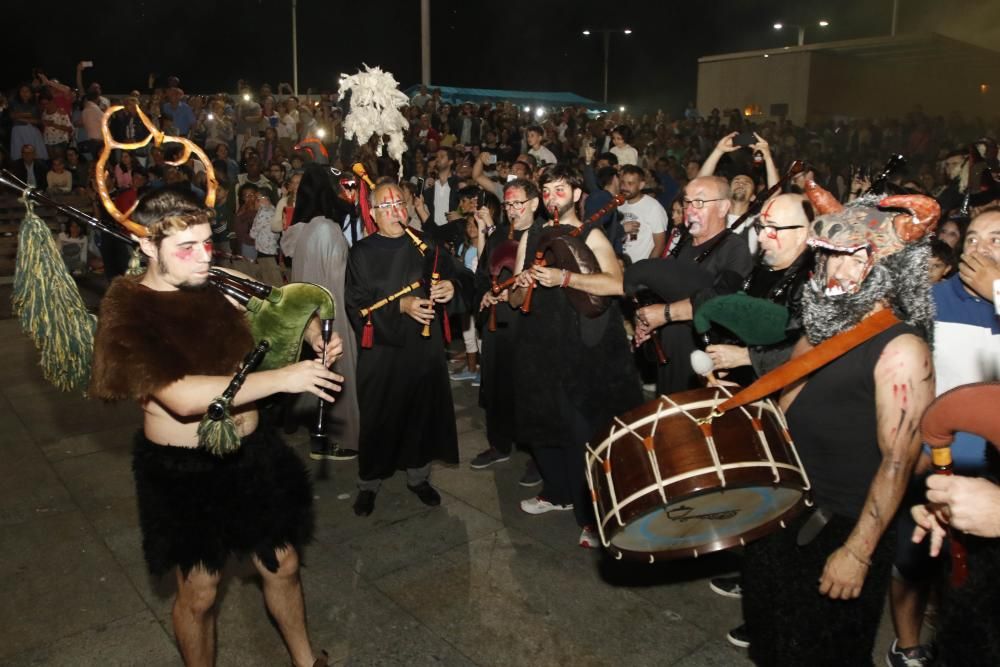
x: 893, y: 230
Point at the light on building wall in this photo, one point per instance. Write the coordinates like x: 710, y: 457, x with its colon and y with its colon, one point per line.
x: 586, y: 32
x: 622, y: 109
x: 779, y: 26
x: 627, y: 31
x: 984, y: 88
x: 527, y: 109
x: 767, y: 55
x: 823, y: 23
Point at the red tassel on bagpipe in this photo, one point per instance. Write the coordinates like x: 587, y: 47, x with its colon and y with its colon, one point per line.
x: 365, y: 206
x: 368, y: 334
x: 446, y: 324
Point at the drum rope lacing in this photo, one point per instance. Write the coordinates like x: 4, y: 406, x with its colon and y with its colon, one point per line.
x: 618, y: 426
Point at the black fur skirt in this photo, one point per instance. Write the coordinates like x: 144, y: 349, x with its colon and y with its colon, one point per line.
x: 788, y: 621
x: 197, y: 509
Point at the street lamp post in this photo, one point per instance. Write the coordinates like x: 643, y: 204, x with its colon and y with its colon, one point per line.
x: 606, y: 34
x: 295, y: 49
x: 802, y: 31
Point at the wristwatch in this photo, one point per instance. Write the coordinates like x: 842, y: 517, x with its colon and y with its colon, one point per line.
x: 666, y: 314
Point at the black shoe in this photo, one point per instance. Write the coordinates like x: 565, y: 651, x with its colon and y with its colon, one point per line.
x: 531, y: 476
x: 364, y: 504
x: 331, y: 452
x: 739, y: 637
x: 488, y: 458
x: 916, y: 656
x: 426, y: 493
x: 730, y: 587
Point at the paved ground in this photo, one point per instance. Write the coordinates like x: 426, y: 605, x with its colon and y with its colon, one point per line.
x: 473, y: 582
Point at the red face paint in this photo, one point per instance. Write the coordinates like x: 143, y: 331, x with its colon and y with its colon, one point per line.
x: 766, y: 213
x: 185, y: 253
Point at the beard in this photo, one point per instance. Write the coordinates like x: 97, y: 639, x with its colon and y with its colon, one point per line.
x: 191, y: 284
x: 741, y: 196
x: 565, y: 208
x: 900, y: 281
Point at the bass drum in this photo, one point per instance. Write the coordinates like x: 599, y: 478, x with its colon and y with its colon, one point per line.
x: 674, y: 479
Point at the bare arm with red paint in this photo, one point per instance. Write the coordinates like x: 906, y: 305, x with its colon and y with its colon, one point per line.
x: 904, y: 387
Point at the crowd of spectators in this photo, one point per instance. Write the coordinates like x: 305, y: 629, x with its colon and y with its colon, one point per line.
x: 50, y: 136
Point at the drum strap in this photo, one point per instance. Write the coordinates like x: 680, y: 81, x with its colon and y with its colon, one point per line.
x: 804, y: 364
x: 813, y: 526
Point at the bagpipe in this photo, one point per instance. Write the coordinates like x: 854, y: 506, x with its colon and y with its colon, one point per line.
x: 561, y: 247
x: 52, y: 312
x: 968, y: 409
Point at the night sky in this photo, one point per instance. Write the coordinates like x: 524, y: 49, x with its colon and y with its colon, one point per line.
x: 528, y: 45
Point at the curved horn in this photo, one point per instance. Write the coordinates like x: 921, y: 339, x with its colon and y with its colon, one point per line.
x: 822, y: 201
x: 923, y: 215
x: 158, y: 138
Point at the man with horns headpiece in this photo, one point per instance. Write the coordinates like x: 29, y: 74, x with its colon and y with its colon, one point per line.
x: 813, y: 593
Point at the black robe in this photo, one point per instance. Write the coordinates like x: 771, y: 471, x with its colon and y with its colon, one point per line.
x: 498, y: 354
x: 574, y: 374
x: 407, y: 414
x: 727, y: 264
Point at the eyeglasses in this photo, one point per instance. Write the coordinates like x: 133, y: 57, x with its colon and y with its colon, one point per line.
x: 390, y: 204
x: 515, y: 204
x: 772, y: 230
x: 699, y: 203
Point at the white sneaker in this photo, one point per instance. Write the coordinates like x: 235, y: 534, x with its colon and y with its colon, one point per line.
x: 539, y: 505
x: 589, y: 539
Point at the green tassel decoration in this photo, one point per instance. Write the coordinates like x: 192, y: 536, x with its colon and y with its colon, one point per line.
x: 50, y: 307
x: 135, y: 267
x: 217, y: 430
x: 218, y: 436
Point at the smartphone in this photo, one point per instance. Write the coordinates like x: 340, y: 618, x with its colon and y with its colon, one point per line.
x: 420, y: 184
x: 511, y: 177
x: 744, y: 139
x: 480, y: 199
x: 87, y: 63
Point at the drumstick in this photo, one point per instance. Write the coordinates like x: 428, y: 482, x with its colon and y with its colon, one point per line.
x: 702, y: 364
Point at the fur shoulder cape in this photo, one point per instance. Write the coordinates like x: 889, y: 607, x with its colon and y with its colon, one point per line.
x: 147, y: 339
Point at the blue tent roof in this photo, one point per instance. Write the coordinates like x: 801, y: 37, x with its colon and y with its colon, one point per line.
x: 454, y: 95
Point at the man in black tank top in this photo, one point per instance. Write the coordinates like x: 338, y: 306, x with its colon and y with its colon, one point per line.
x: 813, y: 593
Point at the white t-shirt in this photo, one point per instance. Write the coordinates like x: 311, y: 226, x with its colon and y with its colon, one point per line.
x: 745, y: 229
x: 652, y: 220
x: 442, y: 198
x: 626, y: 154
x: 543, y: 155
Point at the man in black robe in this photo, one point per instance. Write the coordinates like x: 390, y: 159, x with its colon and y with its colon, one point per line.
x: 573, y: 373
x: 709, y: 262
x: 407, y: 415
x: 496, y: 393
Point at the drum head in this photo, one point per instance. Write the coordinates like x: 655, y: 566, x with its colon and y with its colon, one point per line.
x: 707, y: 522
